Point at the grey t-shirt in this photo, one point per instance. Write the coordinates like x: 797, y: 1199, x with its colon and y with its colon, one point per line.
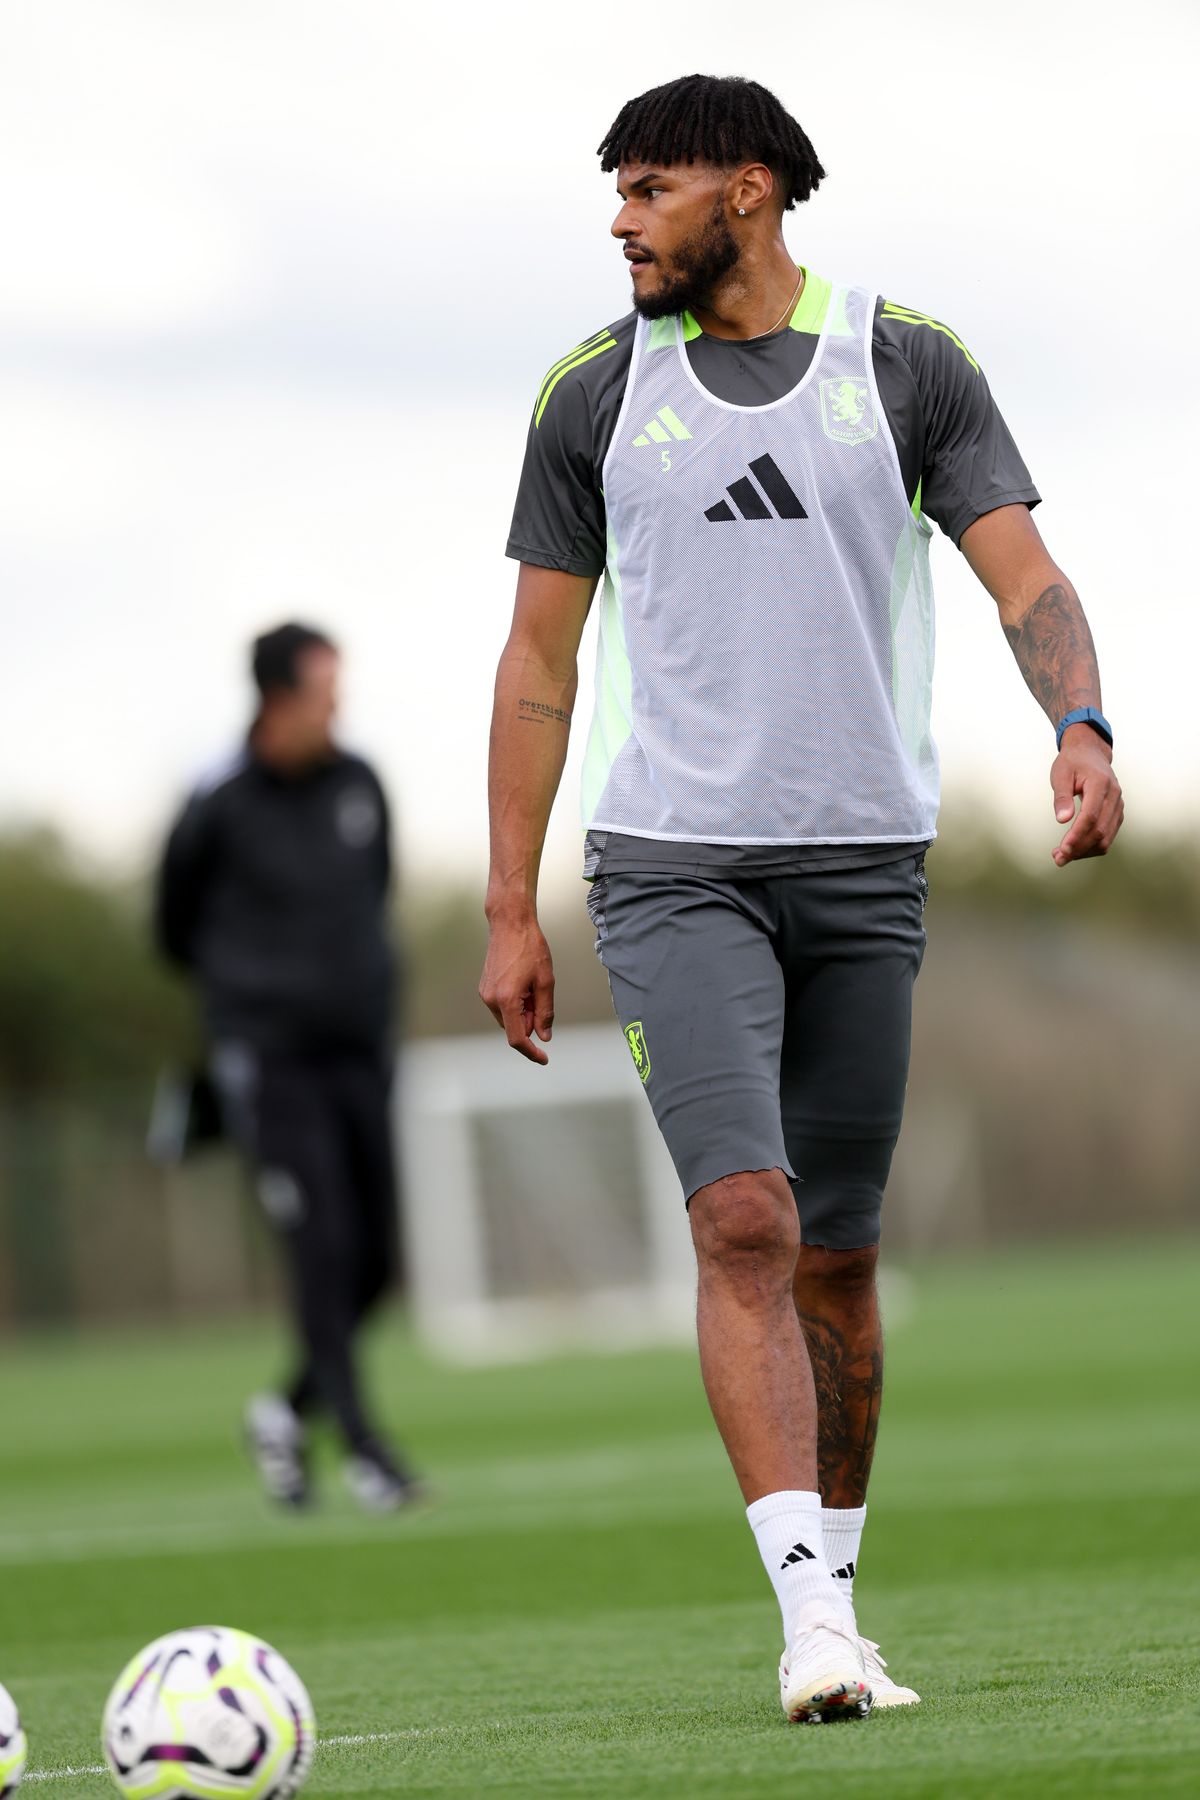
x: 957, y: 458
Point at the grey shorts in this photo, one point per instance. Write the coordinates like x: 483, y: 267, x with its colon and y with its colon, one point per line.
x: 769, y: 1021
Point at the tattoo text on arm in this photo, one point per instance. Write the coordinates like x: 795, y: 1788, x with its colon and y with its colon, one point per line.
x: 1053, y: 647
x: 537, y: 712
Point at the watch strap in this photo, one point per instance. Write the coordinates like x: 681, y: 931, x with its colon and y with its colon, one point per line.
x: 1085, y: 715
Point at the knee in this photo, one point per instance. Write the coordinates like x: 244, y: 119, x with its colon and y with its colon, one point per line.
x: 745, y: 1227
x: 838, y: 1272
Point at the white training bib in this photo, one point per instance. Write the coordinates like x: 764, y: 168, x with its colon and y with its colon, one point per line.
x: 766, y: 625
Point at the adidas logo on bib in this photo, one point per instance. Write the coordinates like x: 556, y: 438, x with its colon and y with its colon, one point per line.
x: 750, y: 502
x: 653, y: 433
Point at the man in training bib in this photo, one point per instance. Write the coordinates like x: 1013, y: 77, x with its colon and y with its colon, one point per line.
x: 749, y: 459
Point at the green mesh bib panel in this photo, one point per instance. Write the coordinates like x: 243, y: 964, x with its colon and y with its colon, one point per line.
x: 766, y: 622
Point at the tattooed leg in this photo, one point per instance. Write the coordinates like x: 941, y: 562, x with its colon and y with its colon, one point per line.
x: 839, y: 1312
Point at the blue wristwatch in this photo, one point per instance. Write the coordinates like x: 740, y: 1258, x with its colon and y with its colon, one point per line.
x: 1085, y: 715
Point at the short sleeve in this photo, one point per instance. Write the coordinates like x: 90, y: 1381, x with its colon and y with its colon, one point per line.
x: 558, y: 521
x: 970, y: 463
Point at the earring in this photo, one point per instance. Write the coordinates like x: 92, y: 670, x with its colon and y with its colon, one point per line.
x: 741, y: 212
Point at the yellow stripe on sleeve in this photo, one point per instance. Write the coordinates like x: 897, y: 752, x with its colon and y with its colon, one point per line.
x: 909, y: 317
x: 552, y: 380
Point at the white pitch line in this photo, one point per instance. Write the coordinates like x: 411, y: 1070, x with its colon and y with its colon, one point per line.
x: 345, y: 1741
x: 384, y: 1737
x: 67, y: 1774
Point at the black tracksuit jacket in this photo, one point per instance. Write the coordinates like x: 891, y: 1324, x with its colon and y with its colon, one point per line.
x: 273, y: 894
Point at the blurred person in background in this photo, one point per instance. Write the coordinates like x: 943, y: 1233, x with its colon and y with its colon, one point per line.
x: 273, y: 896
x: 747, y: 458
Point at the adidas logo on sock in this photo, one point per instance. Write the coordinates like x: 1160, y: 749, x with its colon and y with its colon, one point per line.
x: 846, y: 1574
x: 750, y: 502
x: 653, y: 433
x: 798, y: 1553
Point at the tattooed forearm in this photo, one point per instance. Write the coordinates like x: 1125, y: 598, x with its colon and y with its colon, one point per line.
x: 537, y: 712
x: 1054, y: 651
x: 849, y: 1386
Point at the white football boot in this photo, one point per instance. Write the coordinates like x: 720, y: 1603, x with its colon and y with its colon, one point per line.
x: 886, y: 1691
x: 821, y: 1674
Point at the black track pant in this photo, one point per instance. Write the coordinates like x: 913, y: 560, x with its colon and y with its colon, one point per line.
x: 317, y: 1131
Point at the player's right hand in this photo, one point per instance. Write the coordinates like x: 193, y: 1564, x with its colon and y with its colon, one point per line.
x: 517, y: 985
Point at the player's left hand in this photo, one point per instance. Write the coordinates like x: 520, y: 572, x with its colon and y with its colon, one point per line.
x: 1083, y: 768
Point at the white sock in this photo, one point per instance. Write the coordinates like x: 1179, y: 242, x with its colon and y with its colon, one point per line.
x: 787, y: 1529
x: 842, y: 1527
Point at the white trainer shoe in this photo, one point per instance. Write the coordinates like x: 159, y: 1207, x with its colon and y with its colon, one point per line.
x: 277, y: 1441
x: 821, y: 1674
x: 886, y: 1691
x: 379, y: 1483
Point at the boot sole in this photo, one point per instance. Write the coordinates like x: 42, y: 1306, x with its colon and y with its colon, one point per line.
x: 827, y: 1702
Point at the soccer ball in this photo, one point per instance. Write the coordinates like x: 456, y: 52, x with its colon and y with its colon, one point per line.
x: 209, y: 1712
x: 12, y: 1745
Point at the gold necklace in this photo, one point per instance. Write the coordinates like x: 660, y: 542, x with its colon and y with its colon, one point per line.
x: 786, y: 313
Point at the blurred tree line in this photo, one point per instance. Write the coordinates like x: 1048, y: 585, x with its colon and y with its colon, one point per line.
x: 1145, y: 887
x: 1033, y: 968
x: 83, y: 999
x: 85, y: 1002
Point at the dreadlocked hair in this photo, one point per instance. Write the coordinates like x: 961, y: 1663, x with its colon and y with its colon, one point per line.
x: 722, y: 119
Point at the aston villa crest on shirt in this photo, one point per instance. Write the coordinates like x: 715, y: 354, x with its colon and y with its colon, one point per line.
x: 848, y: 411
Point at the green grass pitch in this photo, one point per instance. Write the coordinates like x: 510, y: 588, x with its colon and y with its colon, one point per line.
x: 582, y: 1612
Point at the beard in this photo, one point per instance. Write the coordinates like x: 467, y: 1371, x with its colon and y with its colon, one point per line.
x: 688, y: 279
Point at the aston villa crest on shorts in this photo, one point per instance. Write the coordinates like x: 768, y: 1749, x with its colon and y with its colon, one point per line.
x: 635, y: 1037
x: 848, y: 411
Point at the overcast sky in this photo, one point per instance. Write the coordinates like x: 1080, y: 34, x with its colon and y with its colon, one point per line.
x: 281, y: 279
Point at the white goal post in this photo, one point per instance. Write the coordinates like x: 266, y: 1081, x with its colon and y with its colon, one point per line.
x: 541, y: 1208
